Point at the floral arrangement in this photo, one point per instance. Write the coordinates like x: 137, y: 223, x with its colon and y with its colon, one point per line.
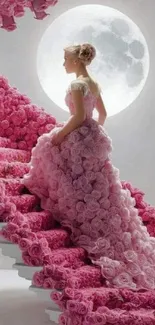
x: 21, y: 123
x: 84, y: 298
x: 11, y: 9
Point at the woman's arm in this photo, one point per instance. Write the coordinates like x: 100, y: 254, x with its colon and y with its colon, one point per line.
x: 101, y: 110
x: 77, y: 119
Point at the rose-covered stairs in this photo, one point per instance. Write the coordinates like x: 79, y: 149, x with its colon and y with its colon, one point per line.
x: 61, y: 274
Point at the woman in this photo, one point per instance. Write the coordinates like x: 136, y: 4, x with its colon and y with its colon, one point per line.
x: 73, y: 175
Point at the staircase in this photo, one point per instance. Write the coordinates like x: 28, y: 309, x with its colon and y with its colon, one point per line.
x: 61, y: 275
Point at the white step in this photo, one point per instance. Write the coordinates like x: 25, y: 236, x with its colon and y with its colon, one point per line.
x: 53, y: 315
x: 2, y: 225
x: 44, y: 295
x: 25, y: 271
x: 2, y: 239
x: 11, y: 250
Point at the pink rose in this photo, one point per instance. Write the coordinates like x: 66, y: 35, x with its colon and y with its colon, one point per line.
x: 74, y: 136
x: 96, y: 224
x: 12, y: 227
x: 24, y: 244
x: 84, y: 130
x: 88, y: 166
x: 80, y: 217
x: 130, y: 256
x: 138, y: 245
x: 86, y: 228
x: 38, y: 279
x: 134, y: 269
x: 89, y: 215
x: 93, y: 205
x: 77, y: 169
x: 103, y: 244
x: 90, y: 175
x: 26, y: 258
x: 22, y: 145
x: 96, y: 194
x: 35, y: 250
x: 88, y: 198
x: 55, y: 296
x: 5, y: 124
x: 71, y: 214
x: 63, y: 319
x: 75, y: 150
x: 49, y: 284
x: 86, y: 152
x: 35, y: 261
x: 124, y: 280
x: 104, y: 204
x: 14, y: 238
x: 65, y: 153
x: 82, y: 181
x: 126, y: 239
x: 80, y: 206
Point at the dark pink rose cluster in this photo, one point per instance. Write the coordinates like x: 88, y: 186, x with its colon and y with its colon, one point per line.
x: 61, y: 277
x: 10, y: 10
x: 27, y: 226
x: 14, y: 169
x: 21, y: 122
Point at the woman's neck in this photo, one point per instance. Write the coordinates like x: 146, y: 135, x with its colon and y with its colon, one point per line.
x: 83, y: 73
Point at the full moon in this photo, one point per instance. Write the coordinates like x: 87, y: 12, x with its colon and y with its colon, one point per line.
x: 121, y: 65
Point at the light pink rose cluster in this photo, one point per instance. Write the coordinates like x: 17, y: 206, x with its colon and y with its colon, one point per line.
x: 146, y: 211
x: 9, y: 10
x: 21, y: 122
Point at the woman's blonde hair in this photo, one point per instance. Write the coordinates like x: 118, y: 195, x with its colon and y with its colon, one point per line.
x: 85, y: 52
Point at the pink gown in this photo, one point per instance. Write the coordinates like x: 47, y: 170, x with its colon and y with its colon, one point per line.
x: 77, y: 182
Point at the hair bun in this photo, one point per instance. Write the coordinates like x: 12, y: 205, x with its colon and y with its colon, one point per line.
x: 87, y: 53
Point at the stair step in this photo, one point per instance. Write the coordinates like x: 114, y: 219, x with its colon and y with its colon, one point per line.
x: 25, y: 271
x: 53, y: 315
x: 24, y: 203
x: 13, y: 169
x: 39, y: 220
x: 2, y: 225
x: 3, y: 239
x: 13, y: 186
x: 12, y: 251
x: 44, y: 295
x: 10, y: 155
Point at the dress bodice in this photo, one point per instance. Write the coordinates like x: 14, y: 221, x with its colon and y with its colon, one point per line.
x: 88, y: 97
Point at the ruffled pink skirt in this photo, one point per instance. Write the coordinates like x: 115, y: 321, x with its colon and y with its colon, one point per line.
x: 77, y: 182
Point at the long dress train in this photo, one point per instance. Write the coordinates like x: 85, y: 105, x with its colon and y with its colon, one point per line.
x: 77, y: 182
